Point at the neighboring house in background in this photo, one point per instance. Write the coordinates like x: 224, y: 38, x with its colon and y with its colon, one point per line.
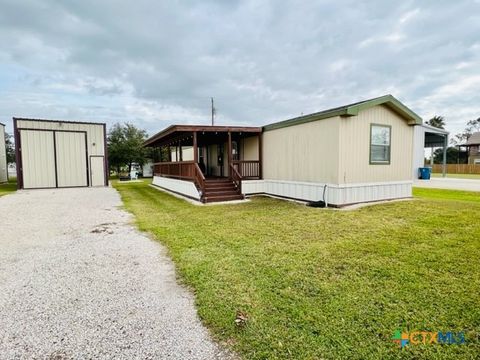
x: 3, y: 155
x: 350, y: 154
x: 473, y: 145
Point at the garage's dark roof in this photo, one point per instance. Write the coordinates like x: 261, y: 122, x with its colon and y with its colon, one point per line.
x: 352, y: 110
x: 2, y: 124
x: 474, y: 139
x: 59, y: 121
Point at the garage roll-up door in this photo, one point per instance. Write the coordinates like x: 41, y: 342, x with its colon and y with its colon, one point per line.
x: 53, y: 159
x: 38, y: 159
x: 71, y: 159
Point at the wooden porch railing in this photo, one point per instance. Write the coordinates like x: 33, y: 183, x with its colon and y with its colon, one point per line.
x: 236, y: 178
x: 247, y: 169
x: 199, y: 180
x: 175, y: 169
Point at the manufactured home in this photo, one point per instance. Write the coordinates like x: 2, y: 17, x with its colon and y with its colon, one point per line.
x: 3, y: 156
x: 59, y: 154
x: 355, y: 153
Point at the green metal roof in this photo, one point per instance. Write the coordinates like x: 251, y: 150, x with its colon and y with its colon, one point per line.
x: 352, y: 110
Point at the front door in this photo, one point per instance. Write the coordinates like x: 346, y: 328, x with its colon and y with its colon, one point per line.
x: 203, y: 160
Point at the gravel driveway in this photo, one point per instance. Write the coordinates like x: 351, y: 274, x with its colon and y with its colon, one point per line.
x: 78, y: 281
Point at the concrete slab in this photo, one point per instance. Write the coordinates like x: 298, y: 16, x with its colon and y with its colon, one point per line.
x: 449, y: 184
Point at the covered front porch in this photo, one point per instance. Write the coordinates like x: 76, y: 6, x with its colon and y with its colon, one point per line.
x: 214, y: 159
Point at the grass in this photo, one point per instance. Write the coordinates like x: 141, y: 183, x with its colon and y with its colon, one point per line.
x: 325, y: 284
x: 9, y: 187
x: 459, y: 176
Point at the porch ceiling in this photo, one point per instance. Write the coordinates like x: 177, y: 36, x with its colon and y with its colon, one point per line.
x: 205, y: 134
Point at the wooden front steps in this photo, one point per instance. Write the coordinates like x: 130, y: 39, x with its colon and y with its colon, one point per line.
x: 220, y: 190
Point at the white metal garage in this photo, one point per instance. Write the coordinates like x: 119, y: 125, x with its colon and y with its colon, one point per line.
x: 57, y: 154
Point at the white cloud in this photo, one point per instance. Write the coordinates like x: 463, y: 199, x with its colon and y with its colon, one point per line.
x: 408, y: 16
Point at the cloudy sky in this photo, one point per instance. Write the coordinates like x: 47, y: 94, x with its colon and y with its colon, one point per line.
x: 154, y: 63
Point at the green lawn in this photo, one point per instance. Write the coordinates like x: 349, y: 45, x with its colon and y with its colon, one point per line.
x: 321, y: 283
x: 8, y: 187
x: 459, y: 176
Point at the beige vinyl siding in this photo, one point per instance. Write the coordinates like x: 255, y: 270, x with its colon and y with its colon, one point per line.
x: 249, y: 148
x: 71, y: 159
x: 354, y: 147
x: 3, y: 156
x: 38, y: 159
x: 306, y: 152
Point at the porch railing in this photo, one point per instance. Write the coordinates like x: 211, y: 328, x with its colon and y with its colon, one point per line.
x: 199, y: 180
x: 175, y: 169
x: 236, y: 178
x: 247, y: 169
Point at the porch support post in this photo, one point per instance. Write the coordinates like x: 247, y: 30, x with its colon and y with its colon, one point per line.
x: 180, y: 149
x: 229, y: 153
x: 444, y: 165
x: 195, y: 147
x: 260, y: 159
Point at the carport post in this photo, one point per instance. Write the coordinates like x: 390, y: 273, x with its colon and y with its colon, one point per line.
x: 444, y: 165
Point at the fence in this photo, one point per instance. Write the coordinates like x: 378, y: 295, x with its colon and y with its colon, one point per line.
x: 457, y: 168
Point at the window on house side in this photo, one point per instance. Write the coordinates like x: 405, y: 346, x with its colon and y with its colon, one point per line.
x: 380, y: 136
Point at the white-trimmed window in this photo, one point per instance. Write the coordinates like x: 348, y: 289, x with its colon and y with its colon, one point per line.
x: 380, y: 138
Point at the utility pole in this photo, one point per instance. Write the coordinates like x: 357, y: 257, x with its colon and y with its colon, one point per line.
x: 213, y: 112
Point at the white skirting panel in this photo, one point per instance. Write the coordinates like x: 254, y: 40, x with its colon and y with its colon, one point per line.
x: 334, y: 194
x: 183, y: 187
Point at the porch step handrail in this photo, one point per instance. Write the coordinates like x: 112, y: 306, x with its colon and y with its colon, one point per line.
x: 236, y: 178
x: 199, y: 180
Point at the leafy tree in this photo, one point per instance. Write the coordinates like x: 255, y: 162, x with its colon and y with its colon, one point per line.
x: 125, y: 146
x: 453, y: 156
x: 472, y: 127
x: 10, y: 149
x: 437, y: 121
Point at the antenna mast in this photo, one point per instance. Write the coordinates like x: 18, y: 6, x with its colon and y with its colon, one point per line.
x: 213, y: 112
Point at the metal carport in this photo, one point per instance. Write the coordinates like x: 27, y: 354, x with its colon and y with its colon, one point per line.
x: 427, y: 136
